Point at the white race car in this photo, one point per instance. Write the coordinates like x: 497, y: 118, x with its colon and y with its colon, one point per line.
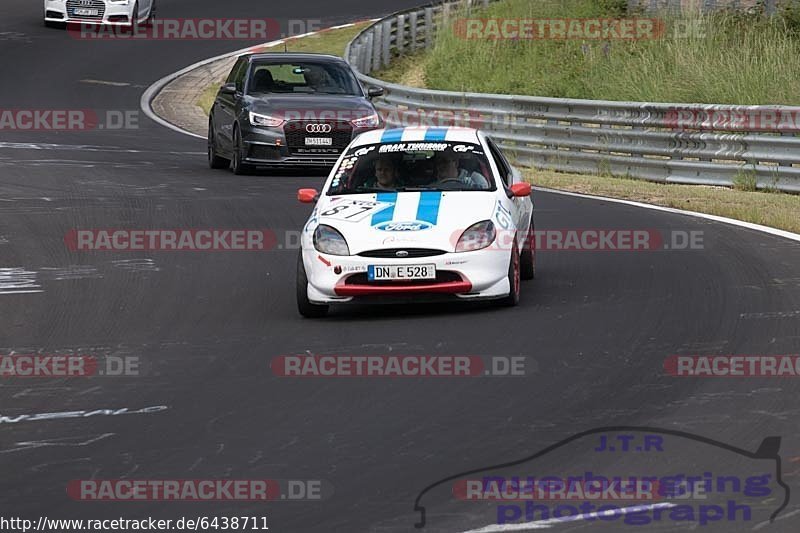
x: 111, y: 12
x: 416, y: 214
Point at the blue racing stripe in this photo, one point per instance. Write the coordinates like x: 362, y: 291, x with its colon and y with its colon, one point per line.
x: 435, y: 134
x: 392, y: 136
x: 428, y: 208
x: 385, y: 215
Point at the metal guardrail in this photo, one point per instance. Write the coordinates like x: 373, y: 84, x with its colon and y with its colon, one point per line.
x: 671, y: 143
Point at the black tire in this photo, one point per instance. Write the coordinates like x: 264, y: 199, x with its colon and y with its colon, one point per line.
x: 513, y: 278
x: 239, y: 168
x: 304, y: 306
x: 527, y: 259
x: 215, y: 161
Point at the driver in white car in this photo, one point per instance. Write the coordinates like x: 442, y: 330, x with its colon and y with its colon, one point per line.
x: 447, y: 169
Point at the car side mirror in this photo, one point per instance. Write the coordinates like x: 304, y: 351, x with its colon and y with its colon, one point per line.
x: 307, y: 196
x: 521, y: 190
x: 228, y: 88
x: 374, y: 92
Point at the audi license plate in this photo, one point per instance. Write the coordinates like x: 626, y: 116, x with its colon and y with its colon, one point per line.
x: 319, y: 141
x: 86, y: 12
x: 400, y: 272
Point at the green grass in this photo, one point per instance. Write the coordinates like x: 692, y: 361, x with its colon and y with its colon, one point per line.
x: 329, y: 42
x: 739, y: 59
x: 777, y: 210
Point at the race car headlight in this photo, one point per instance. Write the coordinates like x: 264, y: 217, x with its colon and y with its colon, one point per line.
x: 329, y: 241
x: 372, y: 121
x: 476, y: 237
x: 265, y: 120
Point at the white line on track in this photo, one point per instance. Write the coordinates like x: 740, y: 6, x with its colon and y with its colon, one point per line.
x: 725, y: 220
x: 543, y: 524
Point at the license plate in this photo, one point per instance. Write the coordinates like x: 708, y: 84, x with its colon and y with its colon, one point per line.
x: 400, y: 272
x: 319, y: 141
x: 86, y: 12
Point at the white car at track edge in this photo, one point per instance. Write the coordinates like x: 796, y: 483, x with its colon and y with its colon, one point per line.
x: 416, y: 214
x: 106, y: 12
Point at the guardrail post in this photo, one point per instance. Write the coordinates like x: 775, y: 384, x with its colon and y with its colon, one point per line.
x: 376, y: 47
x: 386, y: 39
x: 428, y: 27
x: 400, y: 35
x: 412, y: 22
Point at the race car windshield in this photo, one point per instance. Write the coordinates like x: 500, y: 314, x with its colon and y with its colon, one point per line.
x: 413, y: 166
x: 302, y: 78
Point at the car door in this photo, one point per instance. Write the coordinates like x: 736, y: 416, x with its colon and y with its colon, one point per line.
x: 225, y: 108
x: 522, y: 207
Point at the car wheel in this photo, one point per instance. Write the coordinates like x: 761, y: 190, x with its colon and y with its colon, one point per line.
x: 239, y: 168
x: 527, y: 259
x: 304, y: 306
x: 215, y: 161
x: 513, y: 278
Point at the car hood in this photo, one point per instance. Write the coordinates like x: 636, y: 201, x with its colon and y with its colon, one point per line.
x: 312, y: 107
x: 406, y: 219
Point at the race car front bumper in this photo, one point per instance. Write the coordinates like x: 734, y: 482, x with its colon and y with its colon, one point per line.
x: 482, y: 274
x: 271, y: 147
x: 110, y: 14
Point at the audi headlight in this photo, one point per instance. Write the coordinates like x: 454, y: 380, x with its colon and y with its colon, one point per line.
x: 372, y: 121
x: 329, y: 241
x: 120, y: 2
x: 476, y: 237
x: 265, y: 120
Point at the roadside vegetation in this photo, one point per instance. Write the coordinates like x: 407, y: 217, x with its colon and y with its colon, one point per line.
x: 726, y: 57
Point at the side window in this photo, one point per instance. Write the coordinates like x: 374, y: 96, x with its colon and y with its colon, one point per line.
x: 240, y: 74
x: 502, y: 164
x: 235, y: 70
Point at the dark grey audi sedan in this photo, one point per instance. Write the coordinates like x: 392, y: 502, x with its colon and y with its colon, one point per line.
x: 287, y: 109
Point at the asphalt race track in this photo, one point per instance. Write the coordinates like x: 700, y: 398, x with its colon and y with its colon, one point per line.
x: 594, y: 327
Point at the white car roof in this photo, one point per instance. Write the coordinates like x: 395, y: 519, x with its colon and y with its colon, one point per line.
x: 418, y: 134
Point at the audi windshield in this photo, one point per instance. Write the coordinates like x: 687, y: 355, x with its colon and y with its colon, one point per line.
x: 270, y: 77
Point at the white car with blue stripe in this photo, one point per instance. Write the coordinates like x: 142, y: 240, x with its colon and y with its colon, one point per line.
x: 416, y: 214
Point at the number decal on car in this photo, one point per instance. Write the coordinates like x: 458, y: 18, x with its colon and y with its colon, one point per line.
x: 354, y: 210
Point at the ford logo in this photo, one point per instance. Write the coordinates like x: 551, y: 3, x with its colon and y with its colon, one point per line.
x: 319, y: 128
x: 401, y: 253
x: 416, y: 225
